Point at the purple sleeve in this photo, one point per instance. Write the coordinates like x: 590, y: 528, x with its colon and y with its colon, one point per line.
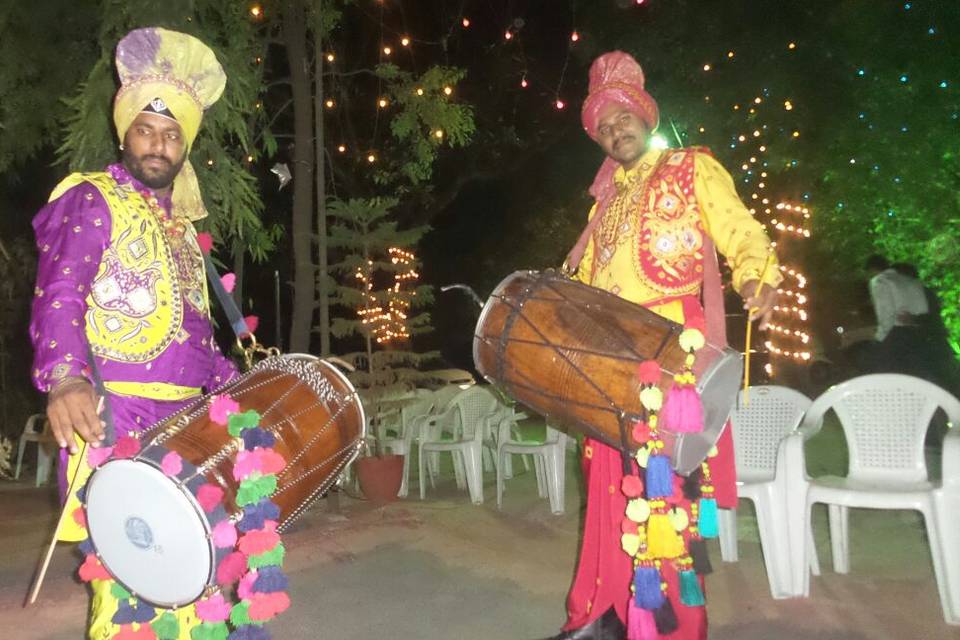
x: 224, y: 370
x: 72, y: 233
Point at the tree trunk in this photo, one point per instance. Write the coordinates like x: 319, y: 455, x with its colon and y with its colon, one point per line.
x: 304, y: 283
x: 323, y: 294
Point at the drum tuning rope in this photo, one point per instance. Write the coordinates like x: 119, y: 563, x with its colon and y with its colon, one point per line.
x: 747, y: 345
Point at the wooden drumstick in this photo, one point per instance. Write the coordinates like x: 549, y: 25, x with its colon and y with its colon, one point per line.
x: 42, y: 572
x: 746, y: 353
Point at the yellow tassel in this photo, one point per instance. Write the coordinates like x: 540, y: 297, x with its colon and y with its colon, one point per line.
x: 662, y: 538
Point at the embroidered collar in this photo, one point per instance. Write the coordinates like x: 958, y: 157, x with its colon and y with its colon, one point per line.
x: 624, y: 177
x: 122, y: 176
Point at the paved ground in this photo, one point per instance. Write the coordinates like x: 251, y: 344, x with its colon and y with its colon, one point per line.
x: 444, y: 568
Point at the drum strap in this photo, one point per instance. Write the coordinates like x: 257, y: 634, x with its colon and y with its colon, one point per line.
x: 110, y: 432
x: 237, y: 323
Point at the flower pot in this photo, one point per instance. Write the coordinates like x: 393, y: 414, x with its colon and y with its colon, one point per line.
x: 380, y: 478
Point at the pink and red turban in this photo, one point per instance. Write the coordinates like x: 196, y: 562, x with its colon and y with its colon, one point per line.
x: 616, y: 77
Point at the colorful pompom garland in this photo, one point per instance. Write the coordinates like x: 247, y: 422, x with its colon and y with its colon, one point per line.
x: 254, y: 564
x: 655, y: 521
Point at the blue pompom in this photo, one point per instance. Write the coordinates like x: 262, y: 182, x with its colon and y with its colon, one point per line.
x: 646, y: 588
x: 255, y: 514
x: 86, y: 547
x: 270, y: 580
x: 659, y: 477
x: 253, y: 438
x: 249, y: 632
x: 127, y: 614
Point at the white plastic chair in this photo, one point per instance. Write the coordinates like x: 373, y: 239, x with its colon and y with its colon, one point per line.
x: 36, y: 430
x: 401, y: 427
x: 763, y: 476
x: 885, y: 418
x: 550, y: 462
x: 465, y: 420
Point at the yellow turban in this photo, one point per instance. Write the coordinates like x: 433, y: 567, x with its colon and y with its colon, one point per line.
x: 184, y: 73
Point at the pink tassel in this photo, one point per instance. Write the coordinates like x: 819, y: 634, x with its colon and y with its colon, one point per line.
x: 224, y: 535
x: 231, y: 568
x: 209, y: 496
x: 246, y: 463
x: 205, y: 240
x: 245, y: 587
x: 640, y: 623
x: 213, y: 609
x: 221, y: 407
x: 126, y: 447
x: 97, y: 456
x: 172, y: 464
x: 252, y: 323
x: 682, y: 410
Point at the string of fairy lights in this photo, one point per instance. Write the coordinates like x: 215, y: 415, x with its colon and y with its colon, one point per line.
x: 393, y: 42
x: 388, y: 324
x: 787, y: 223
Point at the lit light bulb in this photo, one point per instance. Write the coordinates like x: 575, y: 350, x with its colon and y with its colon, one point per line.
x: 788, y: 105
x: 465, y: 22
x: 574, y: 36
x: 792, y: 45
x: 729, y: 54
x: 447, y: 91
x: 439, y: 134
x: 331, y: 57
x: 382, y: 103
x: 523, y: 82
x: 419, y: 91
x: 796, y: 134
x: 508, y: 35
x: 387, y: 51
x: 658, y: 142
x: 256, y: 11
x: 342, y: 148
x: 707, y: 67
x: 329, y: 103
x: 371, y: 158
x: 405, y: 41
x: 560, y: 104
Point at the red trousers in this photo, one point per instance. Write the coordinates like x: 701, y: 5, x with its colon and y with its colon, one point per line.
x: 605, y: 571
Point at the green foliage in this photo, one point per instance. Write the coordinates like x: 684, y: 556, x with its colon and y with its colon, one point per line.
x: 425, y: 119
x: 362, y: 232
x: 224, y: 143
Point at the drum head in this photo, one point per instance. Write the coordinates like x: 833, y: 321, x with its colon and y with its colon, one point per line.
x: 150, y: 534
x: 718, y: 391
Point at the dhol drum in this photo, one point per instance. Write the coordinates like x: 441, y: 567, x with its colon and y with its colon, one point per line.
x: 149, y: 528
x: 571, y: 352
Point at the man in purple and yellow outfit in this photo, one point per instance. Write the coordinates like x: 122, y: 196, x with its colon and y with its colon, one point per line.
x: 651, y: 237
x: 121, y: 276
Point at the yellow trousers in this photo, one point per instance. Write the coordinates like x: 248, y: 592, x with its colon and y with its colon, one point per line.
x: 103, y: 605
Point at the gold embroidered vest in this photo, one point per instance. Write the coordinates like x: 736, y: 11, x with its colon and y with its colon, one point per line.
x: 658, y: 219
x: 135, y: 305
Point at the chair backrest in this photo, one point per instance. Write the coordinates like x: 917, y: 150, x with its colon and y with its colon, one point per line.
x: 36, y: 424
x: 474, y: 407
x: 759, y: 425
x: 443, y: 395
x: 885, y: 418
x: 421, y: 404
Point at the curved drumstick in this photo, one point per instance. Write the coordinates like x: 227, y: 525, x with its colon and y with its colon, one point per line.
x: 42, y: 572
x: 467, y: 288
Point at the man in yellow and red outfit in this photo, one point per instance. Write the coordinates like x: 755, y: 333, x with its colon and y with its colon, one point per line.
x: 651, y: 237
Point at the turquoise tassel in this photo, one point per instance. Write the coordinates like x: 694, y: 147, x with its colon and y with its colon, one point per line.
x: 708, y: 518
x: 691, y: 594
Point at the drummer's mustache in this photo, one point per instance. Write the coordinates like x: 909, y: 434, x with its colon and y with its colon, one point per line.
x: 616, y: 143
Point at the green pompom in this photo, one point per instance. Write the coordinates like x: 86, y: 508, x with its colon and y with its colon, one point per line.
x: 255, y: 487
x: 166, y: 627
x: 240, y: 614
x: 210, y: 631
x: 238, y: 422
x: 119, y: 592
x: 274, y: 557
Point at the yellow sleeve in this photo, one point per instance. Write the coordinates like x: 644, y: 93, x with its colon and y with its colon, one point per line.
x: 583, y: 273
x: 735, y: 232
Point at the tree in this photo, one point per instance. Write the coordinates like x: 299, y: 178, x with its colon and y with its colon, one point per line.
x: 375, y: 272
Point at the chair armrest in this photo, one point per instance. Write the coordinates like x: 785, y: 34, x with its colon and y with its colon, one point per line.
x: 951, y: 457
x: 791, y: 460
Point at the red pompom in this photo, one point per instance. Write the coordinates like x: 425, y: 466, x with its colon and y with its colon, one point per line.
x: 79, y: 516
x: 640, y: 432
x: 231, y: 568
x: 205, y: 240
x: 629, y: 526
x: 696, y: 322
x: 252, y: 323
x: 126, y: 447
x: 632, y: 486
x: 649, y: 372
x: 209, y: 496
x: 91, y: 569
